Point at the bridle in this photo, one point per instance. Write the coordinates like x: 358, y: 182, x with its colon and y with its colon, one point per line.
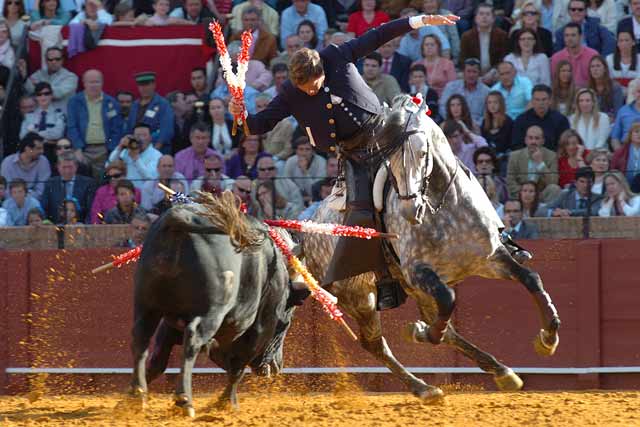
x: 426, y: 172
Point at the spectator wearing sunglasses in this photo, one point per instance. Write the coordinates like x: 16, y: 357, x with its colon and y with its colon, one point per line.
x: 63, y: 146
x: 214, y: 180
x: 594, y: 35
x: 105, y: 198
x: 268, y: 172
x: 63, y: 82
x: 46, y: 120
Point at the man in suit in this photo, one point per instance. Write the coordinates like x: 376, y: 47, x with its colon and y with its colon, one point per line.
x: 265, y: 46
x: 579, y: 200
x: 485, y: 42
x: 631, y: 24
x: 68, y: 185
x: 514, y: 225
x: 333, y: 103
x: 395, y: 64
x: 533, y: 163
x: 595, y: 35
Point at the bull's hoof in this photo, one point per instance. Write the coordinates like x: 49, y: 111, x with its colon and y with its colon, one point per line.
x: 264, y: 371
x: 186, y: 411
x: 415, y: 332
x: 545, y: 343
x: 508, y: 381
x: 134, y: 402
x: 430, y: 395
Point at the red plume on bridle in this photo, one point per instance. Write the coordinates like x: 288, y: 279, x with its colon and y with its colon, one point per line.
x: 418, y: 100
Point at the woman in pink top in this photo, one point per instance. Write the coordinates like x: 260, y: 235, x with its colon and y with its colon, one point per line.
x: 105, y: 198
x: 440, y: 70
x: 366, y: 18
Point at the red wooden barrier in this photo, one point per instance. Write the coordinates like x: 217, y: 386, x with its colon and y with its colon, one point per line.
x: 54, y: 313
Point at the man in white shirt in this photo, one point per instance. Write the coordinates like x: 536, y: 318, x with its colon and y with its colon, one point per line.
x: 139, y: 155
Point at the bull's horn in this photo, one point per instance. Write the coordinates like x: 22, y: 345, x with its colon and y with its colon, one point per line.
x: 378, y: 188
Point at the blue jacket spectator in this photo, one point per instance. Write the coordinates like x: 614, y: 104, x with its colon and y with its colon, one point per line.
x: 78, y: 121
x: 594, y: 35
x: 159, y: 116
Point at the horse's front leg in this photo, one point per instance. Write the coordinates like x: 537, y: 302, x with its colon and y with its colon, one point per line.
x: 546, y: 342
x: 427, y: 281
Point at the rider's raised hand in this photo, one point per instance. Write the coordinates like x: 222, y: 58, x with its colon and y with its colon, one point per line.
x: 440, y: 19
x: 234, y: 107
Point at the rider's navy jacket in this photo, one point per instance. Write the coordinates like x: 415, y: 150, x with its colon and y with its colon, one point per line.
x: 330, y: 122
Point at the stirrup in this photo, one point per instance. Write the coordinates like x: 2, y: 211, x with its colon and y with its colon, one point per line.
x: 337, y: 200
x: 389, y: 294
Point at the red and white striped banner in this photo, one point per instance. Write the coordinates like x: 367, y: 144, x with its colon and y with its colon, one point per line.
x: 172, y: 52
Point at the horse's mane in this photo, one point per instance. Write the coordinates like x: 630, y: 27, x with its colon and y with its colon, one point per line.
x: 224, y: 213
x: 390, y: 137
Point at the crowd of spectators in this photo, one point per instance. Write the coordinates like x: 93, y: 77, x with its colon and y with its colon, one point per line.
x: 538, y: 98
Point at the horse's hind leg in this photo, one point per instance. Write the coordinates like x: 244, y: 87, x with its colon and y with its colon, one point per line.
x: 357, y: 298
x: 506, y: 267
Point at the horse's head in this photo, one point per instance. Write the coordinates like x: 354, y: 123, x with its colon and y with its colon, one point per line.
x: 404, y: 139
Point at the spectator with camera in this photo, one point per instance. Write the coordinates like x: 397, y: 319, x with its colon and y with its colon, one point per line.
x: 167, y: 175
x: 94, y: 122
x: 126, y: 207
x: 105, y: 198
x: 138, y: 154
x: 65, y: 186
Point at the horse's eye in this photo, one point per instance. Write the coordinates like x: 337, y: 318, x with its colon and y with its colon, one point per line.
x: 423, y: 154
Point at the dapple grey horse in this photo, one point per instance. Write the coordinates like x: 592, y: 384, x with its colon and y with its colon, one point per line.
x: 448, y: 231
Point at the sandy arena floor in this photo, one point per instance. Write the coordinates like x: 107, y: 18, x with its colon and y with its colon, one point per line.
x: 575, y: 409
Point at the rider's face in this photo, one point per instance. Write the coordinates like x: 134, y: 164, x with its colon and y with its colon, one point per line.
x: 313, y: 86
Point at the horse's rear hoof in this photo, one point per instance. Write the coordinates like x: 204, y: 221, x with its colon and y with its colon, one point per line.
x: 415, y: 332
x: 546, y: 344
x: 508, y: 381
x: 189, y: 411
x: 431, y: 395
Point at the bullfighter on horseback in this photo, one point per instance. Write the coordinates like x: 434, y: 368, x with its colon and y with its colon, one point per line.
x: 340, y: 112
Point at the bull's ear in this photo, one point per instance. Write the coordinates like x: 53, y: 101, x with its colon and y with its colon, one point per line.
x: 298, y: 292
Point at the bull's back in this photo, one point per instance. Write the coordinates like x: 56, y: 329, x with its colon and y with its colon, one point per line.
x: 186, y: 266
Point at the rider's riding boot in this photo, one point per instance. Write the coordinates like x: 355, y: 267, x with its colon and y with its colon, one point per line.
x: 390, y: 292
x: 520, y: 254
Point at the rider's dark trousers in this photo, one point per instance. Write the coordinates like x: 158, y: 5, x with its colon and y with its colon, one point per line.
x: 353, y: 256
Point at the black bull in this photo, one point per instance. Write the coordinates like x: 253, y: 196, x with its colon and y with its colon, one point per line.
x: 198, y: 290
